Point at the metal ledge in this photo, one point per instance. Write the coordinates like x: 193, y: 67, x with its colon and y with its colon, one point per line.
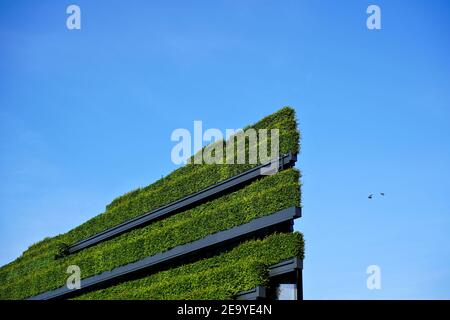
x: 285, y: 161
x: 286, y: 267
x: 279, y: 221
x: 254, y: 294
x: 291, y: 266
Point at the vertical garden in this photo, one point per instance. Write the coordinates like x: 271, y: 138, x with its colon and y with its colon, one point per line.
x: 205, y: 231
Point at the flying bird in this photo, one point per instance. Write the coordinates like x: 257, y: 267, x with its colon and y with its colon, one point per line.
x: 382, y: 193
x: 370, y: 196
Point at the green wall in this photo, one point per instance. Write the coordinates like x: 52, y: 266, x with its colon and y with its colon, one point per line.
x: 37, y: 270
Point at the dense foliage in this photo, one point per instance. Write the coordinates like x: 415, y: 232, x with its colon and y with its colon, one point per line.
x: 37, y: 270
x: 220, y: 277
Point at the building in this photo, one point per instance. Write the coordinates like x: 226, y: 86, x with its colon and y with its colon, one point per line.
x: 206, y: 231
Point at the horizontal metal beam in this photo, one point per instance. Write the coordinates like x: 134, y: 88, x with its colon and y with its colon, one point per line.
x: 256, y: 227
x: 256, y: 293
x: 285, y: 161
x: 286, y: 267
x: 291, y: 266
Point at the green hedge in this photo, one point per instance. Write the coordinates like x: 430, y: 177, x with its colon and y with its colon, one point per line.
x: 37, y: 270
x: 262, y: 197
x: 182, y: 182
x: 219, y: 277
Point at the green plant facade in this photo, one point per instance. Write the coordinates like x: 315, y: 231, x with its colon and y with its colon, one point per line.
x: 219, y: 277
x: 38, y: 270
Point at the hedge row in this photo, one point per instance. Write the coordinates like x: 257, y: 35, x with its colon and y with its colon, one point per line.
x: 37, y: 271
x: 182, y: 182
x: 219, y: 277
x: 262, y: 197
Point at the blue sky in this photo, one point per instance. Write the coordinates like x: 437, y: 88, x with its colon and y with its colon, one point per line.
x: 86, y: 115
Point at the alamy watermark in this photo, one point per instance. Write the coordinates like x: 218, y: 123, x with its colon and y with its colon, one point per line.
x: 74, y: 280
x: 373, y: 22
x: 374, y: 279
x: 235, y: 150
x: 73, y: 21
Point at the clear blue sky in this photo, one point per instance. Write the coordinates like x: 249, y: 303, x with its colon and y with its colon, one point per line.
x: 86, y: 115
